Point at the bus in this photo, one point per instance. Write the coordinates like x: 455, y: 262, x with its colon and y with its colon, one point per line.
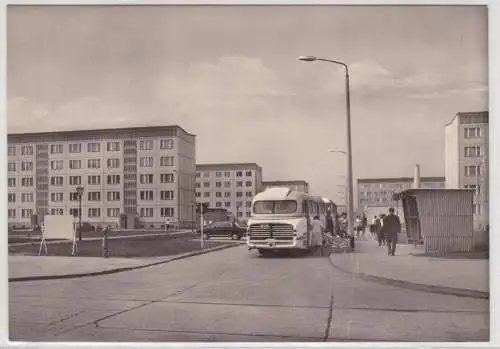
x: 281, y: 217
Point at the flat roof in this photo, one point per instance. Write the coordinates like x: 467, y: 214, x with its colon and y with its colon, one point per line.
x: 226, y: 166
x: 107, y: 132
x: 300, y: 181
x: 420, y: 190
x: 400, y: 179
x: 465, y: 113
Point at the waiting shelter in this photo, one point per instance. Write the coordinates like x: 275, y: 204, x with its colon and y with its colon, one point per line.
x: 440, y: 218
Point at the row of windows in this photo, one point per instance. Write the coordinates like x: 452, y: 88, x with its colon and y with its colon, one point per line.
x: 475, y: 187
x: 228, y: 204
x: 226, y: 174
x: 93, y: 180
x: 472, y: 151
x: 472, y: 170
x: 472, y: 132
x: 227, y: 194
x: 94, y: 212
x: 227, y: 184
x: 474, y: 119
x: 145, y: 195
x: 26, y: 150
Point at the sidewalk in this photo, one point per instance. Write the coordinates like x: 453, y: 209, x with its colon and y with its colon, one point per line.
x: 461, y: 277
x: 31, y: 268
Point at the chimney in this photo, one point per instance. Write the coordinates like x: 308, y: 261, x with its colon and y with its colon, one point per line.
x: 416, y: 177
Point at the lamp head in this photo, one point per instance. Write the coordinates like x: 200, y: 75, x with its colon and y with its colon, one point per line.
x: 307, y: 58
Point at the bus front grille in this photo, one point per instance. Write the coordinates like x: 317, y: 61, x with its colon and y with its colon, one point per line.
x: 278, y: 231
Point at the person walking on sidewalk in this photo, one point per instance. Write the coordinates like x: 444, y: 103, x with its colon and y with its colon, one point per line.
x: 379, y: 229
x: 392, y: 227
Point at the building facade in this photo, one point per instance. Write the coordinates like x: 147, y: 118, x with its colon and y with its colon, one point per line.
x: 143, y: 172
x: 466, y: 160
x: 299, y: 185
x: 231, y: 186
x: 379, y: 191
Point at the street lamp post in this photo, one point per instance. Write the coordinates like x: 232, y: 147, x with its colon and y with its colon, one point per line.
x: 79, y: 191
x: 350, y: 207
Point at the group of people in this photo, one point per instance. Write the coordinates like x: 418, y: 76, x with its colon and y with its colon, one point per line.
x: 385, y: 228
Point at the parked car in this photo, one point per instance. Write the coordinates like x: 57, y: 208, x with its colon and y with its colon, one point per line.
x: 223, y: 229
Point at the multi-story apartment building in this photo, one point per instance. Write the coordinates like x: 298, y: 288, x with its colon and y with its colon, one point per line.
x: 298, y: 185
x: 231, y: 186
x: 466, y: 159
x: 128, y: 172
x: 379, y: 191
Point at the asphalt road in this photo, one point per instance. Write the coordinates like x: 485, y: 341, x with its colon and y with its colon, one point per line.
x: 235, y: 295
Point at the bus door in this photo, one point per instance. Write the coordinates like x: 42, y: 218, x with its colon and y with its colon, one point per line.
x: 305, y: 206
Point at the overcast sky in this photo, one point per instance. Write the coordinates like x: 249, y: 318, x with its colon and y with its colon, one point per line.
x: 231, y: 76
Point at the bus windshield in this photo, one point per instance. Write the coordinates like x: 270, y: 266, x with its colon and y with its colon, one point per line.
x: 275, y: 207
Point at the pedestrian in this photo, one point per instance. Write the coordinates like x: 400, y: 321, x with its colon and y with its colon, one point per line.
x: 364, y: 223
x: 329, y: 226
x: 357, y: 225
x: 372, y: 227
x: 379, y: 230
x: 392, y: 227
x: 317, y: 232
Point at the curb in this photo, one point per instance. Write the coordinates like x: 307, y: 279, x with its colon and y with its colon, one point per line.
x: 120, y: 270
x: 459, y: 292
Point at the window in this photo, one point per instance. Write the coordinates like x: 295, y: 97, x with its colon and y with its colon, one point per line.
x: 218, y: 204
x: 75, y: 180
x: 206, y: 174
x: 12, y: 197
x: 227, y: 204
x: 239, y: 184
x: 249, y: 194
x: 248, y: 213
x: 167, y: 211
x: 26, y: 197
x: 218, y: 174
x: 94, y: 212
x: 198, y: 174
x: 113, y: 163
x: 166, y: 144
x: 56, y: 164
x: 11, y: 150
x: 12, y: 182
x: 227, y: 174
x: 167, y: 161
x: 57, y: 211
x: 218, y: 184
x: 197, y: 194
x: 167, y: 178
x: 94, y: 163
x: 114, y: 179
x: 27, y: 150
x: 11, y: 166
x: 94, y: 196
x: 227, y: 194
x: 166, y: 195
x: 75, y: 212
x: 27, y: 181
x: 113, y: 196
x: 73, y: 196
x: 239, y: 194
x: 75, y: 148
x: 472, y: 151
x: 248, y: 173
x: 113, y: 146
x: 206, y: 194
x: 198, y: 185
x: 248, y: 183
x: 27, y: 166
x: 472, y: 171
x: 56, y: 148
x: 472, y: 132
x: 94, y: 180
x: 239, y: 173
x: 218, y: 194
x: 12, y: 213
x: 248, y: 204
x: 275, y: 207
x: 147, y: 195
x: 26, y: 212
x: 113, y: 212
x: 93, y: 147
x: 206, y: 184
x: 75, y: 164
x: 55, y: 197
x: 146, y: 145
x: 227, y: 184
x: 146, y: 212
x: 146, y: 161
x: 146, y: 178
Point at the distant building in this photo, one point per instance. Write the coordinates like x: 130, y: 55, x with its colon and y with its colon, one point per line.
x: 379, y: 191
x: 466, y: 159
x: 298, y: 185
x: 229, y: 185
x: 126, y: 173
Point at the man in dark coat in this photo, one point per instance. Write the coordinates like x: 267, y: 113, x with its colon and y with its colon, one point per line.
x: 378, y: 230
x: 392, y: 226
x: 329, y: 223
